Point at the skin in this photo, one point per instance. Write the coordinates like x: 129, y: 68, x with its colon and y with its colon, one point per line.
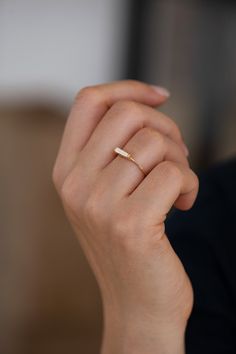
x: 118, y: 213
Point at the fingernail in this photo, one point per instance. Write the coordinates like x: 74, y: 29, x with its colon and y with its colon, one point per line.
x: 161, y: 91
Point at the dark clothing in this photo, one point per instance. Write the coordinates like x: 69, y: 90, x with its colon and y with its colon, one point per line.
x: 205, y: 240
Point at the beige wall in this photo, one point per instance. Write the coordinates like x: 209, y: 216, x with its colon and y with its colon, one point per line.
x: 49, y: 299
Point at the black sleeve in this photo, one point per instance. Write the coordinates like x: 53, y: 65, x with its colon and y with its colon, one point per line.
x: 205, y: 240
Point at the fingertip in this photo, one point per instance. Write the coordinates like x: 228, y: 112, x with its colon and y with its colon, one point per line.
x: 161, y: 91
x: 186, y: 201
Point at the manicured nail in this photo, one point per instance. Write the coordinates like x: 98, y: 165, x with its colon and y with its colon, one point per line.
x: 161, y: 91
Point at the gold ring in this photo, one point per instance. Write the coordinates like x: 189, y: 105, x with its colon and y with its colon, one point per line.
x: 126, y: 155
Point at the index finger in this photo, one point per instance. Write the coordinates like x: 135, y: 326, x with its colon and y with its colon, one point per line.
x: 89, y: 107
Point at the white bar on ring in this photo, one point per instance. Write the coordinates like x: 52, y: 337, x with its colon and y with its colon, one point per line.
x: 121, y: 152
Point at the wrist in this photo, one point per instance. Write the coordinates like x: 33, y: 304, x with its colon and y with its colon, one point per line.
x: 133, y: 334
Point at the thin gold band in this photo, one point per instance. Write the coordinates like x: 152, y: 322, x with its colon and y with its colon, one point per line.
x: 126, y: 155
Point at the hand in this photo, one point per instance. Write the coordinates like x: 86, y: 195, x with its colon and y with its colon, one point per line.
x: 118, y: 213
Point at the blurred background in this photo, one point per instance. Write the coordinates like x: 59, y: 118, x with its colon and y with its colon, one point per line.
x: 49, y: 49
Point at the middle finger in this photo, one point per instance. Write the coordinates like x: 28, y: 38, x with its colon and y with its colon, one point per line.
x: 120, y: 123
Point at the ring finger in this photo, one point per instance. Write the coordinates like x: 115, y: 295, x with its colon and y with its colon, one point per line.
x: 148, y: 147
x: 119, y: 125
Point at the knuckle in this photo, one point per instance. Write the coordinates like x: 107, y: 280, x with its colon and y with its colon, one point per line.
x: 171, y: 170
x: 155, y: 134
x: 88, y: 93
x: 126, y: 107
x: 148, y: 134
x: 136, y: 84
x: 87, y: 206
x: 71, y: 193
x: 195, y: 180
x: 132, y: 82
x: 68, y: 192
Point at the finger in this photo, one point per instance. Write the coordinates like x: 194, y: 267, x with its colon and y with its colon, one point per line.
x: 148, y: 147
x: 90, y: 106
x: 167, y: 184
x: 120, y: 123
